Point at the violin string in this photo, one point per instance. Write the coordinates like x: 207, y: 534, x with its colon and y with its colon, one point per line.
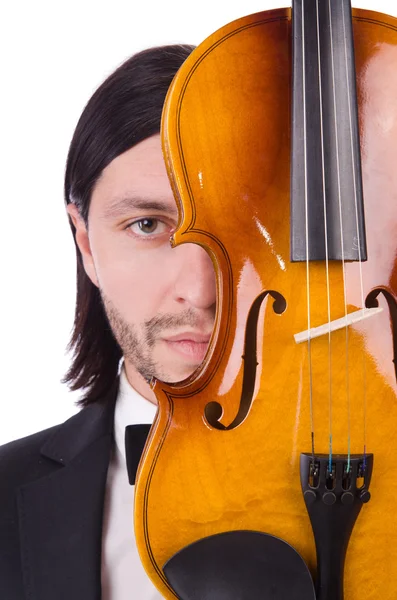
x: 307, y: 236
x: 341, y: 226
x: 358, y: 243
x: 325, y: 211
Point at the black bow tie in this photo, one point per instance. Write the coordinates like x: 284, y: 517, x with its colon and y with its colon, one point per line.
x: 135, y: 439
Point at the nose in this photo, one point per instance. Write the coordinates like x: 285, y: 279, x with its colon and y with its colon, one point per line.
x: 195, y: 278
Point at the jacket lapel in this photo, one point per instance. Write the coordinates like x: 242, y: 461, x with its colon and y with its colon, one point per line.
x: 61, y: 514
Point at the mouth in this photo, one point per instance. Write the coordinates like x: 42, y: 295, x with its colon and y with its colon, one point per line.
x: 189, y: 345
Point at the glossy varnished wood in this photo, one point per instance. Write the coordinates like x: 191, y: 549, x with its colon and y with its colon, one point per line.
x: 226, y: 135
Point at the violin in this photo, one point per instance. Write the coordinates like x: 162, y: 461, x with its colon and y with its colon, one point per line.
x: 268, y: 473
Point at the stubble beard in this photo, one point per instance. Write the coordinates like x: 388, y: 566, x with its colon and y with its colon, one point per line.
x: 137, y: 342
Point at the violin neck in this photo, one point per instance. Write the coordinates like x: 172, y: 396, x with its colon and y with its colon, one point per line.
x: 327, y: 211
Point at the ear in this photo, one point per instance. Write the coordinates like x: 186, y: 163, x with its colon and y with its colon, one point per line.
x: 83, y: 242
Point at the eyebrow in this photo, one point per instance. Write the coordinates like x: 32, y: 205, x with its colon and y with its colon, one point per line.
x: 120, y: 206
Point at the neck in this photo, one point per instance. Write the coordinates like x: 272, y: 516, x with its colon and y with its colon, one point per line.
x: 138, y: 382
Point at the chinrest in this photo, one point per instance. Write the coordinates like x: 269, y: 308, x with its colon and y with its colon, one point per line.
x: 239, y: 565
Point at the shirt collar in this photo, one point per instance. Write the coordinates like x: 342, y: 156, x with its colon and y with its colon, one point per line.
x: 131, y: 409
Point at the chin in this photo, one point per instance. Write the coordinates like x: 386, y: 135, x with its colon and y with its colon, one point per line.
x: 174, y: 377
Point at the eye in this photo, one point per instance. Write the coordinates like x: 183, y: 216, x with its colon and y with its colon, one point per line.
x: 147, y: 226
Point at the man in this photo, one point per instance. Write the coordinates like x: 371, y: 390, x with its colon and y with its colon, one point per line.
x: 143, y: 309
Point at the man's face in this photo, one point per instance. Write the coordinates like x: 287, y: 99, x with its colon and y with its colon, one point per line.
x: 160, y: 301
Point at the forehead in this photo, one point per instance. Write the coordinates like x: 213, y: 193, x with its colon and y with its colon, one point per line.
x: 138, y: 172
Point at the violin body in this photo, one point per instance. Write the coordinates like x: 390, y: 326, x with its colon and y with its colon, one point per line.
x: 230, y: 170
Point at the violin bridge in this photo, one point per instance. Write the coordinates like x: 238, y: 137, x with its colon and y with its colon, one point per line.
x: 350, y: 319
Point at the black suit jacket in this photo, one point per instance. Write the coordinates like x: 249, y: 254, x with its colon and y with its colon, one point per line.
x: 52, y: 487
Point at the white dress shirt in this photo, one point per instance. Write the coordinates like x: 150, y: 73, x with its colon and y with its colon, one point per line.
x: 122, y: 573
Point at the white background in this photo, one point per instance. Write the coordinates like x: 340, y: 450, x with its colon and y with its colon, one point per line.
x: 53, y: 56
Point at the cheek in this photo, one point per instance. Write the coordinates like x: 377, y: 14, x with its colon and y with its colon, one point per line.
x: 138, y: 281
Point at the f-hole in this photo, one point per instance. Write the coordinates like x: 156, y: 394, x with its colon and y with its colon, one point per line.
x: 213, y: 410
x: 371, y: 301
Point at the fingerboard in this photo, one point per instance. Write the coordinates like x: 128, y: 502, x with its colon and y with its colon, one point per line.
x: 327, y: 209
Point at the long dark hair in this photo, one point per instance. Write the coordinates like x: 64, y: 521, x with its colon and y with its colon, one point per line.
x: 124, y: 110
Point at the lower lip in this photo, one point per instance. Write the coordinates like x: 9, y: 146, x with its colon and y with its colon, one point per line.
x: 187, y: 348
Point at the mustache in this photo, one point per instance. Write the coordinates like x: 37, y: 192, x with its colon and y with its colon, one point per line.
x: 169, y: 321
